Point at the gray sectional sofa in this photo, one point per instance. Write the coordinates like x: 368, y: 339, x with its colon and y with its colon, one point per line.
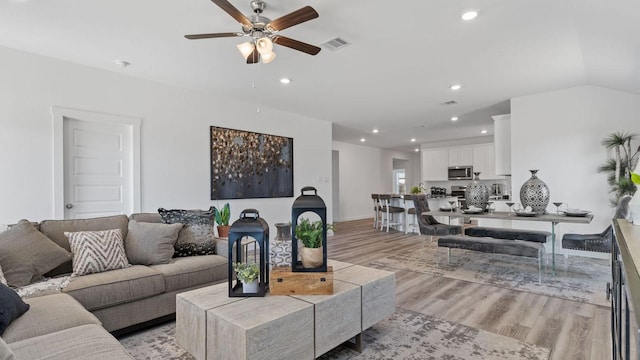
x: 75, y: 322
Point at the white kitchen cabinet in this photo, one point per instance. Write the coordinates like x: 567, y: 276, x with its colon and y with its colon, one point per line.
x: 435, y: 164
x: 461, y: 156
x: 484, y: 161
x: 502, y: 141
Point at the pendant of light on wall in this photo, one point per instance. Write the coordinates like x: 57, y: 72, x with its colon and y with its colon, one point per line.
x: 262, y: 43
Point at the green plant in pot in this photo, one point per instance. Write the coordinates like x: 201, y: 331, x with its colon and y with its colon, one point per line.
x: 222, y: 219
x: 310, y: 235
x: 248, y: 274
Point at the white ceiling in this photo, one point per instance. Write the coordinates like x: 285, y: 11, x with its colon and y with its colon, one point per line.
x: 403, y: 56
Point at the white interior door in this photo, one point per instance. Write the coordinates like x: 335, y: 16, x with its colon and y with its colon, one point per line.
x: 96, y: 164
x: 97, y: 169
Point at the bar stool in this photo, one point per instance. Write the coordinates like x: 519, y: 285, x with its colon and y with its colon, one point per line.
x: 376, y: 210
x: 410, y: 212
x: 387, y: 211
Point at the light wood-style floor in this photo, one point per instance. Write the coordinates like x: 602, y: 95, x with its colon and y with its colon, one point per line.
x: 572, y: 330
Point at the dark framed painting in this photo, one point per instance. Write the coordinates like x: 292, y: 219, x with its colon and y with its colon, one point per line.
x: 247, y: 165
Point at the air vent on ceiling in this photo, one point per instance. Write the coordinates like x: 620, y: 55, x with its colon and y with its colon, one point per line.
x: 336, y: 44
x: 447, y: 103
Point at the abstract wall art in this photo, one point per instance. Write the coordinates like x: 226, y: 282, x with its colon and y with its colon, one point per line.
x: 248, y: 165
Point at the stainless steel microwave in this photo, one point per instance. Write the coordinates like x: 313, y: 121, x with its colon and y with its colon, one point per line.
x: 461, y: 172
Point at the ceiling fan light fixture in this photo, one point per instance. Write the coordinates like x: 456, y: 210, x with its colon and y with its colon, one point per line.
x: 246, y: 48
x: 264, y: 46
x: 267, y: 58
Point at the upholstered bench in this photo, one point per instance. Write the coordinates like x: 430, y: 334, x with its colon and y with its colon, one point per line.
x: 510, y: 234
x: 497, y: 246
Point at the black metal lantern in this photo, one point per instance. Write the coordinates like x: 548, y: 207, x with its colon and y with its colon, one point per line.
x: 308, y: 203
x: 250, y: 224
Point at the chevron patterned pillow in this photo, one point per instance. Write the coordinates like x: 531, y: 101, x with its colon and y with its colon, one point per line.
x: 97, y: 251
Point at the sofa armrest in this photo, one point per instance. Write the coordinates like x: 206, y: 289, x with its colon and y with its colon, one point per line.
x: 222, y: 247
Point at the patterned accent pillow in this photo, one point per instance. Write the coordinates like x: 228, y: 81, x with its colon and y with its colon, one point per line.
x: 97, y: 251
x: 196, y: 238
x: 2, y: 279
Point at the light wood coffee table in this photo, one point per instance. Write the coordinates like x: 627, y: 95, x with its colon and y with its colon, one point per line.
x: 211, y: 325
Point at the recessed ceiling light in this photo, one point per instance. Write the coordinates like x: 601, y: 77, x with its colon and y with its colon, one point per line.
x: 413, y: 139
x: 454, y: 118
x: 375, y: 131
x: 483, y: 131
x: 363, y: 139
x: 416, y: 149
x: 455, y: 87
x: 469, y: 15
x: 285, y: 80
x: 122, y: 63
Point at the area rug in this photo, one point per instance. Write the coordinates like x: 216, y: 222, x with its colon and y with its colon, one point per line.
x: 577, y: 278
x: 404, y: 335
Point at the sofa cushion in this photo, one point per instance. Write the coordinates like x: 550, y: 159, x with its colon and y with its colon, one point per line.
x: 192, y: 271
x: 146, y: 217
x: 48, y: 314
x: 78, y: 343
x: 25, y: 254
x: 196, y: 238
x: 96, y: 291
x: 55, y: 229
x: 151, y: 243
x: 5, y: 352
x: 97, y: 251
x: 11, y: 307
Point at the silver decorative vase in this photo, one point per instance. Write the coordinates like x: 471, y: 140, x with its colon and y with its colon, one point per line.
x: 535, y: 193
x: 280, y: 247
x: 476, y: 193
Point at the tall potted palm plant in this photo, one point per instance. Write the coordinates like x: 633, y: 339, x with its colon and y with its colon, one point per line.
x: 619, y: 169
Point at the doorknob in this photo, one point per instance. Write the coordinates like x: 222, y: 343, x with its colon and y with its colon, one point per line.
x: 69, y: 206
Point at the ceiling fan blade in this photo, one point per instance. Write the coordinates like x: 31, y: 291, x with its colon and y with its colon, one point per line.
x: 299, y: 16
x: 254, y: 57
x: 213, y: 35
x: 231, y: 10
x: 296, y: 45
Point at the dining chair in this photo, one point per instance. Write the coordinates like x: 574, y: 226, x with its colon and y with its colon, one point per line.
x: 388, y: 211
x: 427, y: 224
x: 600, y: 242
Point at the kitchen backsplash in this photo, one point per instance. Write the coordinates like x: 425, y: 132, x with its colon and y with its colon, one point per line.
x: 506, y: 184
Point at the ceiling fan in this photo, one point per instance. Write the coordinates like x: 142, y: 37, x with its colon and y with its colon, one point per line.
x: 263, y: 31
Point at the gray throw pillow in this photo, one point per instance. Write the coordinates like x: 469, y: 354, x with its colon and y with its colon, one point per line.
x: 196, y: 238
x: 2, y: 279
x: 151, y: 243
x: 26, y: 254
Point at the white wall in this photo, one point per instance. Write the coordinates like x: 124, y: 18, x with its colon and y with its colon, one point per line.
x: 174, y: 137
x: 365, y: 170
x: 559, y: 133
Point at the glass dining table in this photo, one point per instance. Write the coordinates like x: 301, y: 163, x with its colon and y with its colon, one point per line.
x: 552, y: 218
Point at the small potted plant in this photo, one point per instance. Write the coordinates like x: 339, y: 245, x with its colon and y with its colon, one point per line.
x: 222, y: 219
x: 248, y: 274
x: 310, y: 234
